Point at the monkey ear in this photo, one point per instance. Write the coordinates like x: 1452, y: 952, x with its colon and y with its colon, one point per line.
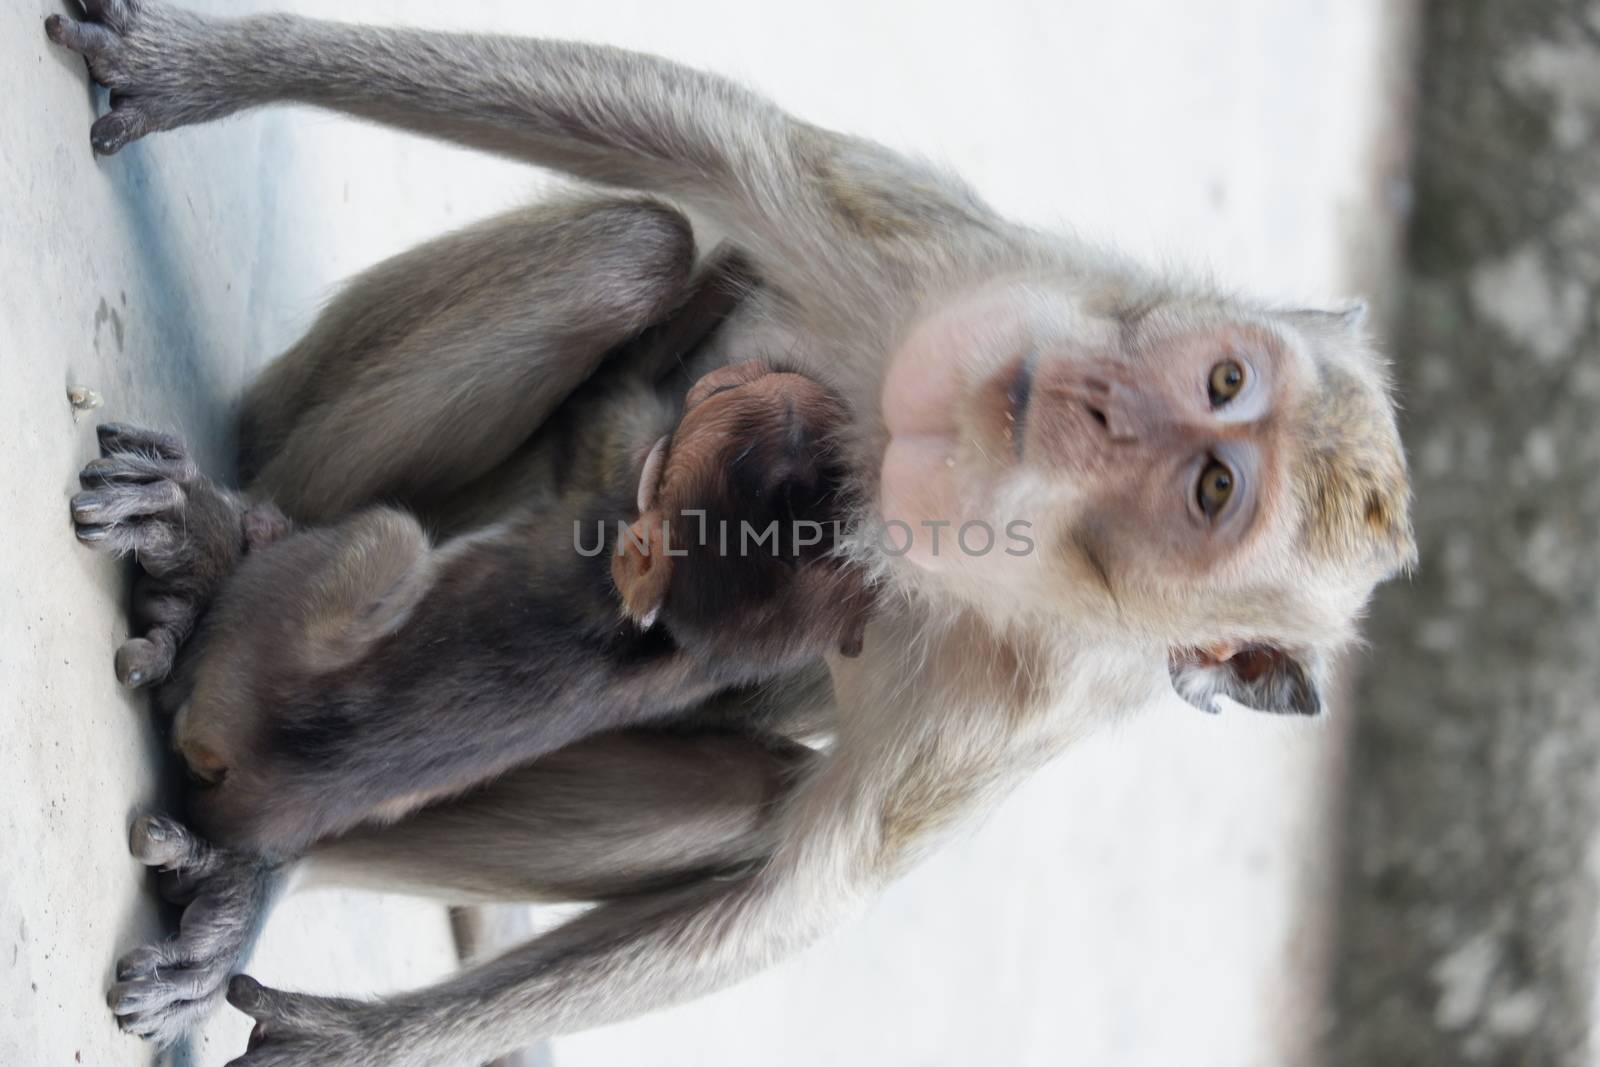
x: 642, y: 569
x: 1350, y: 316
x: 650, y: 476
x: 264, y: 525
x: 742, y: 372
x: 1260, y: 677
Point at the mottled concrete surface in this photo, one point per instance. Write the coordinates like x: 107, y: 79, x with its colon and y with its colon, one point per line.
x: 1157, y: 897
x: 1472, y: 920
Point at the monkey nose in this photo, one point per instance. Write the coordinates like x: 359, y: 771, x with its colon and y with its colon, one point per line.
x: 1128, y: 415
x: 1119, y: 412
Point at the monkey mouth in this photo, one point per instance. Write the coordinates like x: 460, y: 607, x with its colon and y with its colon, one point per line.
x: 1019, y: 394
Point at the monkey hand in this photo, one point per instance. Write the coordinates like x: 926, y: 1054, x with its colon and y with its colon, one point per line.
x: 164, y: 990
x: 299, y: 1030
x: 159, y: 63
x: 144, y: 497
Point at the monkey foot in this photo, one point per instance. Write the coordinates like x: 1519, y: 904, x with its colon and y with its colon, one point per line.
x: 134, y: 497
x: 145, y: 54
x: 145, y: 498
x: 164, y: 990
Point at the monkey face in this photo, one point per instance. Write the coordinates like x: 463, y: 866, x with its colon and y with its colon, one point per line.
x: 740, y: 514
x: 1199, y: 476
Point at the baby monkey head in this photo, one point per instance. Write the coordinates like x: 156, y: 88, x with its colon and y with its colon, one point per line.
x: 740, y: 513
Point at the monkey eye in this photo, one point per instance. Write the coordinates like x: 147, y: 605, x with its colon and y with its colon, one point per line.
x: 794, y: 498
x: 1215, y: 488
x: 1227, y: 378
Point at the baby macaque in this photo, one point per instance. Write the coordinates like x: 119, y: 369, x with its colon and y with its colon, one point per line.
x: 357, y: 671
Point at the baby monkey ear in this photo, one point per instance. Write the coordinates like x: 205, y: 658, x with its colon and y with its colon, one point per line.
x: 1261, y: 677
x: 642, y: 570
x: 725, y: 377
x: 650, y: 475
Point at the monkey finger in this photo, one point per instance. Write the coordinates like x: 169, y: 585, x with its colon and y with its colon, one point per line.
x: 146, y: 960
x: 290, y: 1011
x: 170, y: 986
x: 156, y: 1026
x: 140, y: 961
x: 141, y: 995
x: 88, y: 39
x: 141, y: 660
x: 116, y: 129
x: 164, y: 1025
x: 120, y: 437
x: 155, y: 963
x: 96, y: 536
x: 155, y: 604
x: 257, y: 1001
x: 115, y: 470
x: 133, y: 468
x: 119, y: 503
x: 161, y: 841
x: 113, y: 12
x: 155, y: 543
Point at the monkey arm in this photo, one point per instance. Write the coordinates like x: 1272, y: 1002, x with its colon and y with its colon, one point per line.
x: 611, y: 816
x: 807, y: 202
x: 616, y: 960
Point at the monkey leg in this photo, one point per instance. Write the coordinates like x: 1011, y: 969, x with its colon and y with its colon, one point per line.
x: 144, y: 497
x: 636, y: 952
x: 610, y: 816
x: 165, y: 989
x: 290, y: 618
x: 433, y: 366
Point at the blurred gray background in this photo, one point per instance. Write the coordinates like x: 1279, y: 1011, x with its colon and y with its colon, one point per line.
x: 1173, y: 891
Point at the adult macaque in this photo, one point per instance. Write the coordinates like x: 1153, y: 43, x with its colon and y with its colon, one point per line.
x: 1213, y: 486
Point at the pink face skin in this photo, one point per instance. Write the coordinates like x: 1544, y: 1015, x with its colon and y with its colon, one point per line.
x: 1150, y: 449
x: 925, y: 399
